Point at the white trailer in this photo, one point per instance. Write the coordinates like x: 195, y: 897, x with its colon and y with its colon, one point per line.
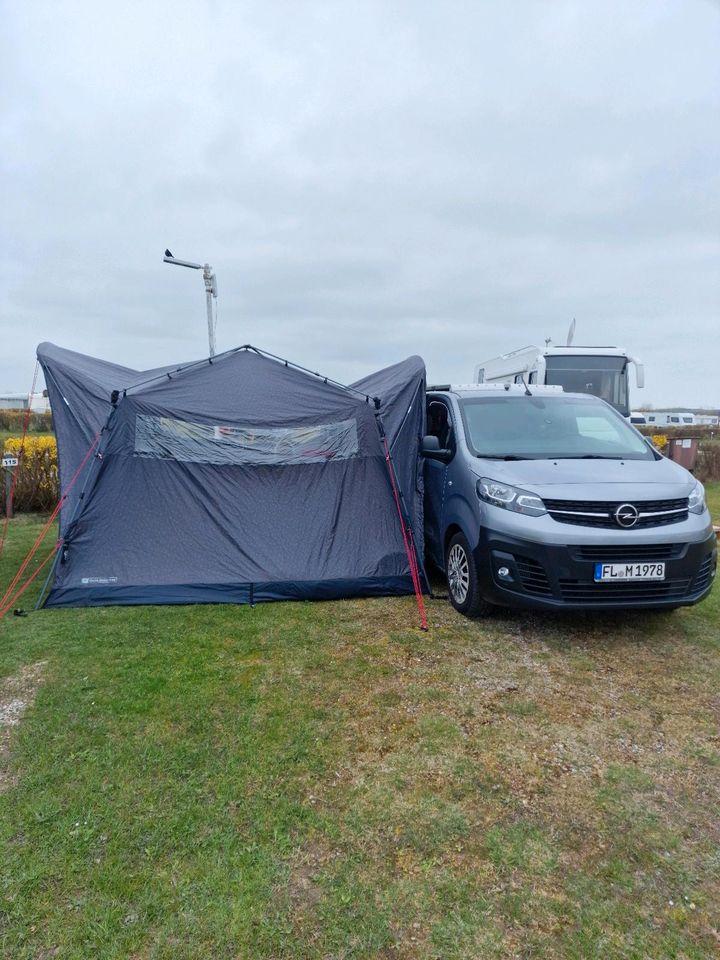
x: 670, y: 418
x: 601, y: 371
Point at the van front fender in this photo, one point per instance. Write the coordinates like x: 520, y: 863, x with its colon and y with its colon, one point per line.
x: 458, y: 514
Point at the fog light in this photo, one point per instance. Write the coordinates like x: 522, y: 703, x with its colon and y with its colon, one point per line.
x: 503, y: 572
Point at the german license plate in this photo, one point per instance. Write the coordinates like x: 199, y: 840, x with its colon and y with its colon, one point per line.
x: 628, y: 571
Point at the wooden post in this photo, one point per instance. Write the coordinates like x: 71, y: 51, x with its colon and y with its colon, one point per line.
x: 8, y: 488
x: 10, y: 464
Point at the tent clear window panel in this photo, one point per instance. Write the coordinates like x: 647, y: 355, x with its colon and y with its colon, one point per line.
x: 166, y: 438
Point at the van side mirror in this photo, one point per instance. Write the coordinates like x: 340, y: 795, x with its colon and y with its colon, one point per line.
x: 431, y: 448
x: 639, y: 375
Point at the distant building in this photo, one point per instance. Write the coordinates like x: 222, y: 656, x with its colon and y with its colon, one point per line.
x: 19, y: 401
x: 13, y: 401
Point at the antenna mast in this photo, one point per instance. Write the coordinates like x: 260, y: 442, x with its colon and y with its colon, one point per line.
x: 210, y: 291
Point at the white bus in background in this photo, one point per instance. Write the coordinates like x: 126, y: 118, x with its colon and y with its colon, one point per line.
x: 601, y: 371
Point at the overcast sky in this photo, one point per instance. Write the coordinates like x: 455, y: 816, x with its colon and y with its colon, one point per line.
x: 369, y: 179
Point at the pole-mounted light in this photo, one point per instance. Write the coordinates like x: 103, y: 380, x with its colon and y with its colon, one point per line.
x: 210, y: 291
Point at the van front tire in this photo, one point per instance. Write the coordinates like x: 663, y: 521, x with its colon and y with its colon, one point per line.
x: 462, y: 579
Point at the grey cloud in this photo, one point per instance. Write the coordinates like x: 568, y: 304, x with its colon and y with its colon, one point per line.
x: 368, y: 179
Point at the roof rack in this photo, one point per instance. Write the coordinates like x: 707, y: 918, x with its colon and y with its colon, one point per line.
x: 504, y: 386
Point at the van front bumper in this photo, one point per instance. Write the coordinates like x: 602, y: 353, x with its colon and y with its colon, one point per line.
x: 561, y: 576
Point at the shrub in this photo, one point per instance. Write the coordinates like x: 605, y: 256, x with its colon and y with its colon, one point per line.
x: 13, y: 420
x: 37, y: 481
x: 708, y: 462
x: 660, y: 441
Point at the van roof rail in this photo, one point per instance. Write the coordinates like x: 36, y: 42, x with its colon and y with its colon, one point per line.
x: 495, y: 387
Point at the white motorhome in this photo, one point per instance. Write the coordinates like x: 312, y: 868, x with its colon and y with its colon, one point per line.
x: 601, y: 371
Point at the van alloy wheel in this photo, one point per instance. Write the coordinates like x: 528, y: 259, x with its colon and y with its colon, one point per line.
x: 458, y: 572
x: 462, y: 578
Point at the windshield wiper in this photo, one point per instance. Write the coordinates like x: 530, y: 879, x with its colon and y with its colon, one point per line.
x: 588, y: 456
x: 496, y: 456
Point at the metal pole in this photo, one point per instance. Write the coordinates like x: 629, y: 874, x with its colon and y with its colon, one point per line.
x: 209, y: 291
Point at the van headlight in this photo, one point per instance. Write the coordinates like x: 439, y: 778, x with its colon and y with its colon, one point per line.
x: 696, y: 500
x: 510, y: 498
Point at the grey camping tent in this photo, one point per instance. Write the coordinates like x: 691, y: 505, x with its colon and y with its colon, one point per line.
x: 240, y: 479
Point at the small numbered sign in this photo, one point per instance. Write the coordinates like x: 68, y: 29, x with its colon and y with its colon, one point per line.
x: 10, y: 461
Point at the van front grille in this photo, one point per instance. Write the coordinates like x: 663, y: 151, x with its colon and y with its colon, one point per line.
x: 628, y: 553
x: 577, y: 591
x: 704, y: 574
x: 601, y: 513
x: 533, y: 577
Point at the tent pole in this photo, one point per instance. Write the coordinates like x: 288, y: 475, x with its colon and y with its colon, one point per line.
x: 423, y: 569
x: 405, y: 524
x: 260, y: 353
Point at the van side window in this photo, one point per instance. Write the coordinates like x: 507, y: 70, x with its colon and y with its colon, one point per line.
x: 533, y: 377
x: 439, y: 424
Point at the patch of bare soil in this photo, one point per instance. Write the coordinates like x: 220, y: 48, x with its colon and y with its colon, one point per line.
x: 16, y: 694
x: 303, y: 889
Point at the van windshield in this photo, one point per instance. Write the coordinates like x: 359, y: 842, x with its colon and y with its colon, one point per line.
x: 549, y: 428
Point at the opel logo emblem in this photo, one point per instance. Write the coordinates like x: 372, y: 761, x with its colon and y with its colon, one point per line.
x: 626, y: 515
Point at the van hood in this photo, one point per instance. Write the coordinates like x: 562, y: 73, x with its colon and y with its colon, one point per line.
x: 592, y: 479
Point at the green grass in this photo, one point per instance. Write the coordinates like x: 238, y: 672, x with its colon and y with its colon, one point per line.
x: 324, y: 781
x: 713, y: 499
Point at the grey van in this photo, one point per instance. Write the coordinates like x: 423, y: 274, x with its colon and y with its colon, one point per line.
x: 543, y: 499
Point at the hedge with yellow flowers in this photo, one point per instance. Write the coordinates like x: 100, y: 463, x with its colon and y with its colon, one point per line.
x: 37, y: 480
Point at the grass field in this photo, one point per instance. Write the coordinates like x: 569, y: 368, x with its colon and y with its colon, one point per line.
x: 324, y: 781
